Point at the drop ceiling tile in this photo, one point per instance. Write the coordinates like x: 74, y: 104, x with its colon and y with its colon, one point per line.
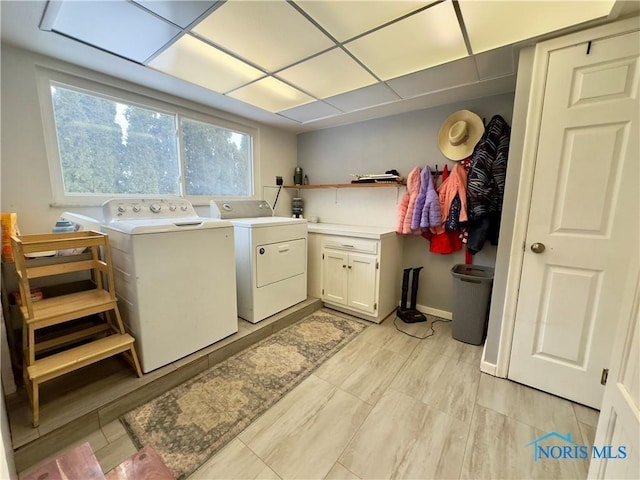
x: 431, y: 37
x: 271, y: 34
x: 197, y: 62
x: 328, y: 74
x: 494, y: 24
x: 271, y: 94
x: 117, y: 26
x: 495, y: 63
x: 346, y: 19
x: 361, y: 98
x: 449, y: 75
x: 310, y: 112
x: 182, y: 12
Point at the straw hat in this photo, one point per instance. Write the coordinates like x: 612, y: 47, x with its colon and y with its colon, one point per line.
x: 459, y: 134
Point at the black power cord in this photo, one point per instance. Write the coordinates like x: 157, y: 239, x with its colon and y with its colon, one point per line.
x: 433, y: 332
x: 276, y: 200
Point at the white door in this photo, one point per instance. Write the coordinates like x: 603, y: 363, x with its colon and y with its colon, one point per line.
x: 334, y: 276
x: 619, y: 422
x: 362, y: 282
x: 584, y: 211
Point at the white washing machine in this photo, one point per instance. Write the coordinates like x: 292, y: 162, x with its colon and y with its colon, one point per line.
x: 271, y: 257
x: 174, y: 275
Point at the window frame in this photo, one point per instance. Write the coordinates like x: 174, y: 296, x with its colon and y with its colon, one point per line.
x: 47, y: 78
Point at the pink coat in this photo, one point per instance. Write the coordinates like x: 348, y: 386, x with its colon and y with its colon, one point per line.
x: 408, y: 201
x: 456, y: 183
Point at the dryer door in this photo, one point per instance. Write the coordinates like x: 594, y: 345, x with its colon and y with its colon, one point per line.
x: 278, y: 261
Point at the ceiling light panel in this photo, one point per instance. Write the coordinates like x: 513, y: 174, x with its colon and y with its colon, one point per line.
x: 428, y: 38
x: 197, y: 62
x: 494, y: 24
x: 347, y: 19
x: 270, y: 34
x: 117, y: 26
x: 328, y: 74
x: 271, y: 94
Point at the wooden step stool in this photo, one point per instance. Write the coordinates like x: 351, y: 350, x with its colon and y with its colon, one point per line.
x: 100, y: 341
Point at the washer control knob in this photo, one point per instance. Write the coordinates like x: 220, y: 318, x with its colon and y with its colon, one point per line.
x: 155, y: 208
x: 122, y: 209
x: 172, y: 208
x: 136, y: 208
x: 184, y: 208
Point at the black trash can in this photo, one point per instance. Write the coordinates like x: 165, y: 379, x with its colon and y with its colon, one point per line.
x: 471, y: 294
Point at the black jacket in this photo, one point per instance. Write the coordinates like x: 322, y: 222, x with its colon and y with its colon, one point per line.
x: 485, y: 184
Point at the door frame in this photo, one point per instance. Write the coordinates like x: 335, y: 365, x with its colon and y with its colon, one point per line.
x: 528, y: 127
x: 613, y: 393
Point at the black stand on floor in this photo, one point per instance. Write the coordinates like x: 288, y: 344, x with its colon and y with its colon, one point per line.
x: 411, y: 314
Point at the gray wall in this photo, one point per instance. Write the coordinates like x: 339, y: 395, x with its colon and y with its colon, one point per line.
x: 400, y: 142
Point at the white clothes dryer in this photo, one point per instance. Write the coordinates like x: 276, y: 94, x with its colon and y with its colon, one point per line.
x: 174, y: 275
x: 271, y: 257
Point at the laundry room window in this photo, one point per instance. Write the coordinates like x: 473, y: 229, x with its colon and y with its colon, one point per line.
x: 109, y: 147
x: 217, y: 161
x: 105, y: 143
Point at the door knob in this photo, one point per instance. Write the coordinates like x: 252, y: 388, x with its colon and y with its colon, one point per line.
x: 537, y: 247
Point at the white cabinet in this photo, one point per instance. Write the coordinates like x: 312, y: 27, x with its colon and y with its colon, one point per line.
x: 355, y: 275
x: 334, y: 276
x: 364, y: 279
x: 350, y: 279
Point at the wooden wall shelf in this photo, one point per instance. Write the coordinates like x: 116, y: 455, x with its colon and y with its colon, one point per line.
x: 346, y: 185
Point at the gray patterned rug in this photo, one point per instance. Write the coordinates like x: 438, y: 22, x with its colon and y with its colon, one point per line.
x: 191, y: 422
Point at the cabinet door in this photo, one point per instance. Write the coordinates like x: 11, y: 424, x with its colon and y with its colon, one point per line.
x: 363, y: 281
x: 334, y: 276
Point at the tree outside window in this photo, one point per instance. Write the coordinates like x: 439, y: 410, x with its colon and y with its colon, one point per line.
x: 109, y: 147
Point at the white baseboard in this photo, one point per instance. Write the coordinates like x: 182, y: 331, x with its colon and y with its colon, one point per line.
x: 489, y: 368
x: 435, y: 312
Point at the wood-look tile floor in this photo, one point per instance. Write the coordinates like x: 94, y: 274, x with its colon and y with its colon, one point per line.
x: 392, y: 406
